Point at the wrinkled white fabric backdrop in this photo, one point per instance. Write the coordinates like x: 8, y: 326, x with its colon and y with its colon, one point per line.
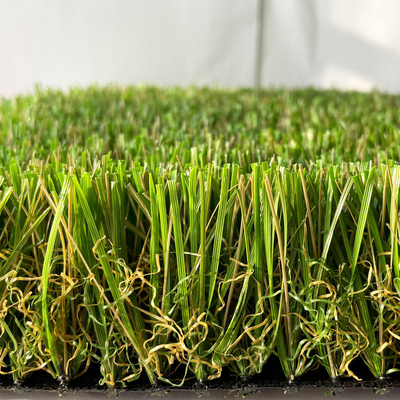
x: 349, y: 44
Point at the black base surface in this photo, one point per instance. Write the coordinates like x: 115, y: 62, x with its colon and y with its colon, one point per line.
x: 271, y: 377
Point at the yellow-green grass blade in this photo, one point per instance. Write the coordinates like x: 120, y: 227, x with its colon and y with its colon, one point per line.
x: 154, y: 247
x: 180, y: 258
x: 46, y: 272
x: 215, y: 262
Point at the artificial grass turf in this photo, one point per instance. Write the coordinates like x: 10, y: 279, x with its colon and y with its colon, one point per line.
x: 199, y: 241
x: 154, y: 125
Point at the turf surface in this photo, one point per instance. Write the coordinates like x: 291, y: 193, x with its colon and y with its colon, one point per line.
x: 194, y: 230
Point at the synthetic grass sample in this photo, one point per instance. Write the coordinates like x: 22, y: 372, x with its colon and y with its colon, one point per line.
x: 299, y: 263
x: 176, y: 262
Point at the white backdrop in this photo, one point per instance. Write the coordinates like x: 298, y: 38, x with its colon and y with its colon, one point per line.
x: 350, y: 44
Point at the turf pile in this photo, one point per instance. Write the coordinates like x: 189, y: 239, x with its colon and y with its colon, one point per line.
x: 177, y: 233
